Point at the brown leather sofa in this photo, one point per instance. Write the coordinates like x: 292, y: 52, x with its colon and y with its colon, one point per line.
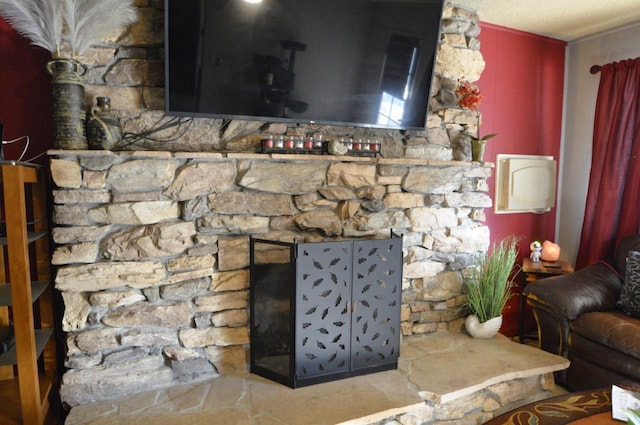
x: 577, y: 318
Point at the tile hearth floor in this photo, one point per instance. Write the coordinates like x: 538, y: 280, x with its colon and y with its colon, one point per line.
x: 439, y: 367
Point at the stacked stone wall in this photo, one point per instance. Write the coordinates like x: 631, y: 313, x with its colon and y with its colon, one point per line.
x: 152, y: 239
x: 130, y: 70
x: 153, y: 258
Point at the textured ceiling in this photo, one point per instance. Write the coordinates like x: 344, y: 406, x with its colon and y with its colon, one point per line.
x: 560, y: 19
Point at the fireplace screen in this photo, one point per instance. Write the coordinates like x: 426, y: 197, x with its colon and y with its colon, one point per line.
x: 325, y: 310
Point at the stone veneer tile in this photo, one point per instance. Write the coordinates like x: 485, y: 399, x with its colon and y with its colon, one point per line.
x: 191, y: 398
x: 139, y: 403
x: 226, y: 391
x: 85, y: 414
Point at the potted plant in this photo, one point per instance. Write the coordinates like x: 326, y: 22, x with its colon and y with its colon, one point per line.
x: 488, y: 288
x: 478, y: 145
x: 67, y: 28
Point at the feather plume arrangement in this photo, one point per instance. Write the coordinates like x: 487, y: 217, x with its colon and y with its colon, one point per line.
x: 67, y: 28
x: 40, y: 21
x: 92, y: 20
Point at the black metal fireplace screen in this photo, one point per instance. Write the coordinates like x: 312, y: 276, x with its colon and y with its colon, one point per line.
x: 323, y: 311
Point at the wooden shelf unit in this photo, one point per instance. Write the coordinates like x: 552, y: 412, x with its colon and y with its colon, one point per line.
x: 27, y: 302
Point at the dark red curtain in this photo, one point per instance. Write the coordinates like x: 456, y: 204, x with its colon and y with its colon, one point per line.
x: 613, y: 199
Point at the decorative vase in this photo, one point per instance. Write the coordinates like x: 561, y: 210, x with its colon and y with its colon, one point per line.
x: 487, y: 329
x: 477, y: 150
x: 103, y: 127
x: 68, y: 103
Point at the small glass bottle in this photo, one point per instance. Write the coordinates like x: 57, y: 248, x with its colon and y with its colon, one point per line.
x: 375, y: 146
x: 357, y: 145
x: 288, y: 142
x: 267, y: 143
x: 308, y: 142
x: 317, y: 142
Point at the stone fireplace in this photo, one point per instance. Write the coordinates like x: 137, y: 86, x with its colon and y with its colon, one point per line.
x: 154, y: 250
x: 153, y: 240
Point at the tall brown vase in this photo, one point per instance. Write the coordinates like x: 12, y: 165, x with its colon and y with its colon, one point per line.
x: 69, y: 115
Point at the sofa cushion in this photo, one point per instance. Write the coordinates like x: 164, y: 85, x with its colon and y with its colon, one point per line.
x: 596, y: 366
x: 611, y: 329
x: 629, y: 300
x: 629, y: 243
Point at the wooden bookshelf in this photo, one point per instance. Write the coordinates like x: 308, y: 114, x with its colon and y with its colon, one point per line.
x: 25, y: 296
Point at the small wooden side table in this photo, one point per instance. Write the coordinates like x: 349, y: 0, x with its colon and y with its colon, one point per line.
x: 535, y: 270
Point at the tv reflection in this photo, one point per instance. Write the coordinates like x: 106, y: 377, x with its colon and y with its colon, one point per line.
x: 276, y: 82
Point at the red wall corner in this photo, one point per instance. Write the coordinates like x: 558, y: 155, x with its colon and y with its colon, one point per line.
x: 25, y: 96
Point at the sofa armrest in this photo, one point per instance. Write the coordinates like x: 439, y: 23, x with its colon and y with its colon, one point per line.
x: 556, y: 301
x: 593, y: 288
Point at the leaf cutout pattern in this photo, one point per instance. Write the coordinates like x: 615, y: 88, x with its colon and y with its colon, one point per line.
x: 329, y: 278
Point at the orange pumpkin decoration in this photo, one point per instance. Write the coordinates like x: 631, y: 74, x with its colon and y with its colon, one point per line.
x: 550, y: 251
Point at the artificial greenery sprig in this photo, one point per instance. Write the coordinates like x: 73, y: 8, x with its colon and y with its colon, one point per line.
x: 488, y: 287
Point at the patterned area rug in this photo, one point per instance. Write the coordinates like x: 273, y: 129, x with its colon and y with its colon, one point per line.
x: 559, y: 410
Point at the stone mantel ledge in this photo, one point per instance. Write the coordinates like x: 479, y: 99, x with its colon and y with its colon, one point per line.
x: 261, y: 156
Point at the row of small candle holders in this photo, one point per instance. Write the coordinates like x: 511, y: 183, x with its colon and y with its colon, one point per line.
x: 284, y: 144
x: 360, y: 146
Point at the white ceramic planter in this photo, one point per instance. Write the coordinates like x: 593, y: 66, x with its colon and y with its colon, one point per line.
x: 487, y: 329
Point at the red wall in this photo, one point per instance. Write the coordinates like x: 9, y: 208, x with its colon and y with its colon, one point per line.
x: 25, y: 97
x: 522, y: 87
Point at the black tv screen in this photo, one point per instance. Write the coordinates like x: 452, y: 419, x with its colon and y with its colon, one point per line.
x: 363, y: 63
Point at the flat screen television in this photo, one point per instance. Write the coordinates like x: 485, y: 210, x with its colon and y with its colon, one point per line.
x: 361, y: 63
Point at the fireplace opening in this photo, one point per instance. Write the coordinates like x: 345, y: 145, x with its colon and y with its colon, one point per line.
x: 323, y: 311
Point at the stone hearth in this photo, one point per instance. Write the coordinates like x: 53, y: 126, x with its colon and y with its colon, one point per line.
x: 443, y: 378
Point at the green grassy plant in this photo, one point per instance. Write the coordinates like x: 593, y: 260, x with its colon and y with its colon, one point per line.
x: 489, y: 283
